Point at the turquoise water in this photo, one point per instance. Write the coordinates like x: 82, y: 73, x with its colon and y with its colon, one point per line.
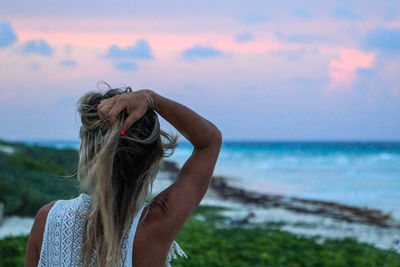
x: 355, y: 173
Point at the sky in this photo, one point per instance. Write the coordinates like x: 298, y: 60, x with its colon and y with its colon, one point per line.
x: 259, y: 70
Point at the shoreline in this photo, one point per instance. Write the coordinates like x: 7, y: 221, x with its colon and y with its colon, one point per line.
x: 296, y: 215
x: 347, y: 213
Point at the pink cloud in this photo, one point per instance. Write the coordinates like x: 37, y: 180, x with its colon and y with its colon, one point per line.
x: 342, y: 71
x: 159, y: 41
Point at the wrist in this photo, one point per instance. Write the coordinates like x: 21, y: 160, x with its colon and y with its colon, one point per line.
x: 152, y: 98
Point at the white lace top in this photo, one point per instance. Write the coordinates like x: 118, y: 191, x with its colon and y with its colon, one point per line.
x: 64, y: 228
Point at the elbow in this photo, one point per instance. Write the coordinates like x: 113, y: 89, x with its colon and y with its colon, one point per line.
x: 213, y: 137
x: 218, y: 137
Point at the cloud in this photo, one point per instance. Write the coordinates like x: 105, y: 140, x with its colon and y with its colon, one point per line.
x: 197, y: 52
x: 382, y: 39
x: 302, y: 13
x: 343, y: 12
x: 390, y: 14
x: 40, y: 47
x: 68, y: 63
x: 294, y: 55
x: 365, y: 72
x: 380, y: 84
x: 244, y: 37
x: 141, y: 50
x: 343, y: 71
x: 303, y: 38
x: 126, y: 66
x: 255, y: 17
x: 7, y: 35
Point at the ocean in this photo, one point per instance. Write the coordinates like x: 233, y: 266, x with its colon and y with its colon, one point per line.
x: 364, y: 174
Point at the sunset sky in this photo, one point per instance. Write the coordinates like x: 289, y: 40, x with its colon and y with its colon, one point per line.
x: 259, y: 70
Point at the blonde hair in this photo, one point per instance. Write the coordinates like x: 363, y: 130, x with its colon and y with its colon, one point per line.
x: 118, y: 172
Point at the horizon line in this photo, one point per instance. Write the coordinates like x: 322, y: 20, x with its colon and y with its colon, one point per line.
x: 267, y: 140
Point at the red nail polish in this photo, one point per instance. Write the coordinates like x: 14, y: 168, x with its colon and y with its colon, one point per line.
x: 123, y: 132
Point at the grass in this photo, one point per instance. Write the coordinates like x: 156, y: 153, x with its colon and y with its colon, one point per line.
x: 12, y: 251
x: 208, y: 244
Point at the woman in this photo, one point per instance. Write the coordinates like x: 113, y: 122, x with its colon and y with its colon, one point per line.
x: 119, y: 157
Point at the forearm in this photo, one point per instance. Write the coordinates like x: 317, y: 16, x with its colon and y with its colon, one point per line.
x: 199, y: 131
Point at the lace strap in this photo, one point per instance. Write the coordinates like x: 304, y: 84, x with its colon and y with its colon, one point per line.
x: 46, y: 249
x: 131, y: 238
x: 175, y: 248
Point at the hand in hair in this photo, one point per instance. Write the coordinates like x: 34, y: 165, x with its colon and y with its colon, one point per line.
x: 136, y: 104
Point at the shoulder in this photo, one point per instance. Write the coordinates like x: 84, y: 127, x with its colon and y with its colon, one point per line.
x: 43, y: 212
x: 36, y: 236
x: 40, y: 221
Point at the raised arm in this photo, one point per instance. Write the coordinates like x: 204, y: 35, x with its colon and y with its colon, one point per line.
x: 176, y: 203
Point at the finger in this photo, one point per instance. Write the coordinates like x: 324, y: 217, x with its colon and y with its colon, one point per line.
x: 106, y: 108
x: 103, y: 102
x: 130, y: 120
x: 133, y: 117
x: 115, y: 110
x: 100, y: 111
x: 103, y: 108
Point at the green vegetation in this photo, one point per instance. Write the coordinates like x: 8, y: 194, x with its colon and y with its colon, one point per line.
x: 12, y: 251
x: 31, y: 177
x: 34, y: 176
x: 208, y: 243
